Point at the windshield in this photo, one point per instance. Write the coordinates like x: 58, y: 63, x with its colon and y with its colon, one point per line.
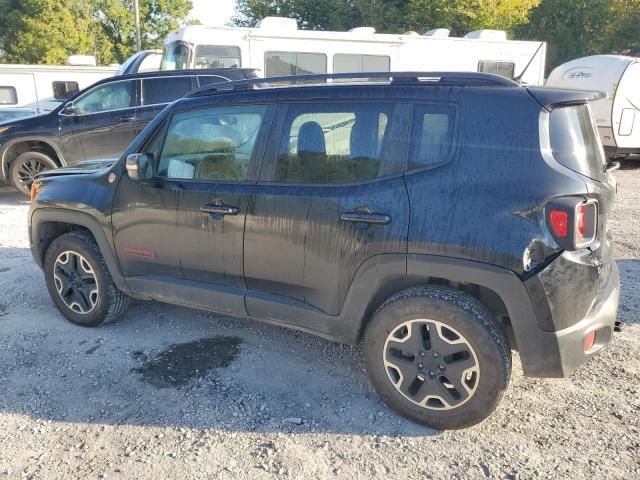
x: 175, y: 57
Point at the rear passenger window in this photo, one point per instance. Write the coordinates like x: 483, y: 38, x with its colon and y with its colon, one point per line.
x: 333, y: 143
x: 211, y: 144
x: 432, y: 135
x: 165, y: 90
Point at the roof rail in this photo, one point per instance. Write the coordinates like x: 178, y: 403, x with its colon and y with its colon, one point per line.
x: 403, y: 78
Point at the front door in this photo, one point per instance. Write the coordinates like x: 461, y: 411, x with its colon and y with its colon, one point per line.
x: 211, y: 155
x: 145, y: 223
x: 331, y: 195
x: 103, y: 123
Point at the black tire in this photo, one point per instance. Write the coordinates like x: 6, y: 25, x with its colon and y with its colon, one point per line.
x: 107, y: 302
x: 487, y: 359
x: 26, y: 166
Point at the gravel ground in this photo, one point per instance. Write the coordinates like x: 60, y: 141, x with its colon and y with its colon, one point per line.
x: 170, y: 392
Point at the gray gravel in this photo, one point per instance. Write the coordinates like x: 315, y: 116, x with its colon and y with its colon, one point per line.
x: 170, y: 392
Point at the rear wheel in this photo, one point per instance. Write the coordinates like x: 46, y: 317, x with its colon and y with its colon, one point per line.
x: 437, y: 357
x: 25, y: 168
x: 79, y: 281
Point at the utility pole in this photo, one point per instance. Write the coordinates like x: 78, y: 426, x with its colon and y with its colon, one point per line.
x: 136, y: 7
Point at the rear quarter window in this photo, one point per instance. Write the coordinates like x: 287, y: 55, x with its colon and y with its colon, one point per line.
x: 432, y: 136
x: 575, y: 142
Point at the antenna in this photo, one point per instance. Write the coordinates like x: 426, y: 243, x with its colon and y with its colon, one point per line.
x: 535, y: 54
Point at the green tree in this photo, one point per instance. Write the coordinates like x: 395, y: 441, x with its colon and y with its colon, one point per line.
x: 571, y: 28
x: 48, y: 31
x: 335, y: 15
x: 42, y: 31
x: 624, y: 30
x: 463, y: 16
x: 310, y: 14
x: 116, y: 18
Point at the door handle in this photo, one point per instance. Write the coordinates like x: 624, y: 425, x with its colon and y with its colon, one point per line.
x: 127, y: 119
x: 219, y: 209
x: 362, y: 217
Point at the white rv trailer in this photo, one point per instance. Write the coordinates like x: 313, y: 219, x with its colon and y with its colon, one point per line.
x: 43, y: 87
x: 277, y: 47
x: 618, y: 114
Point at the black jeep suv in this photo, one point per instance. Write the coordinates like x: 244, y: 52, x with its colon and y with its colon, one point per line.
x: 443, y: 219
x: 98, y: 122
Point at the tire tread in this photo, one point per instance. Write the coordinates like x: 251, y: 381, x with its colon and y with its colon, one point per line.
x: 474, y: 310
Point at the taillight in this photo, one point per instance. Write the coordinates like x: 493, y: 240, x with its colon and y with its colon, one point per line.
x: 586, y: 221
x: 588, y: 341
x: 573, y: 222
x: 559, y: 220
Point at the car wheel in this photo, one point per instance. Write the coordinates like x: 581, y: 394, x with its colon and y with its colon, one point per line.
x: 79, y: 281
x: 438, y: 357
x: 25, y: 168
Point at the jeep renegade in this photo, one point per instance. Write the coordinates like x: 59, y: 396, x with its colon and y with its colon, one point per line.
x: 441, y: 219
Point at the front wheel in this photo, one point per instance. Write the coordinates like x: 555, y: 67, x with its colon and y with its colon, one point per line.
x: 438, y: 357
x: 25, y: 168
x: 79, y: 281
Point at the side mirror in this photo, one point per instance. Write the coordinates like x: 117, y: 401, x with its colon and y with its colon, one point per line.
x: 138, y: 166
x: 69, y: 109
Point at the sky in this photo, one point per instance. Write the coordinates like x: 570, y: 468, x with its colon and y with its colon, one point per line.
x: 212, y: 12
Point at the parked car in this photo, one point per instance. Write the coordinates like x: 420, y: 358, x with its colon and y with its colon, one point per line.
x: 617, y: 113
x: 98, y: 122
x: 8, y: 114
x: 440, y: 219
x: 140, y: 62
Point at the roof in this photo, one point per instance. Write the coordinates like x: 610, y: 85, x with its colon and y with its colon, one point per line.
x: 390, y: 78
x: 182, y: 73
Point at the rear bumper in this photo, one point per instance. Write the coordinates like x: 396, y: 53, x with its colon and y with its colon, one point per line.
x: 561, y: 352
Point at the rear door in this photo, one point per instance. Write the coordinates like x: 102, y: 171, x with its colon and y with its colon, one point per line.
x: 211, y: 157
x: 103, y: 123
x: 157, y: 92
x: 330, y: 196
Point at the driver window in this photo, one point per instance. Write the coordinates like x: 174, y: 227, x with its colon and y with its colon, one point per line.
x: 111, y: 96
x: 211, y: 144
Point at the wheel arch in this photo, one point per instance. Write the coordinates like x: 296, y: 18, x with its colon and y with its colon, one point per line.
x: 49, y: 224
x: 488, y: 297
x: 21, y: 145
x: 498, y: 289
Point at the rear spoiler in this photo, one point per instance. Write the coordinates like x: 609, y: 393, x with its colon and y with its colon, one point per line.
x: 550, y: 98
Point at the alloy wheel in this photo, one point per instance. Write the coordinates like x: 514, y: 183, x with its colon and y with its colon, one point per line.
x: 28, y: 170
x: 431, y: 364
x: 75, y: 282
